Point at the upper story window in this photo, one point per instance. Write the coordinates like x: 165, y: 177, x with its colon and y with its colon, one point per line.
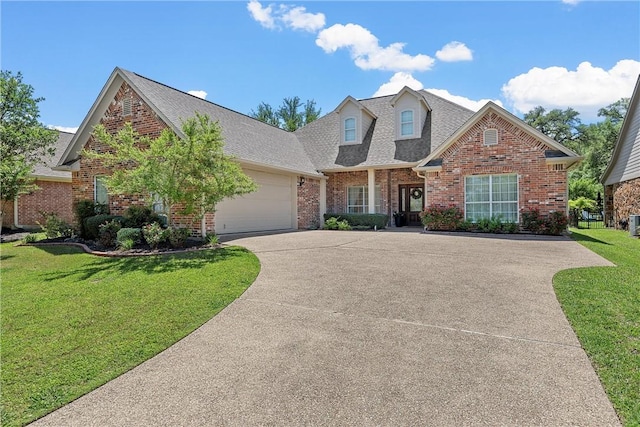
x: 490, y: 137
x: 406, y: 123
x: 350, y: 129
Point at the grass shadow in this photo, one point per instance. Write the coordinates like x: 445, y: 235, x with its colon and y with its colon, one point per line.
x: 579, y: 237
x: 155, y: 264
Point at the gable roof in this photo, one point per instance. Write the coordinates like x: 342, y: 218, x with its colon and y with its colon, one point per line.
x: 44, y: 169
x: 321, y: 138
x: 627, y: 148
x: 558, y: 153
x: 417, y: 94
x: 251, y: 141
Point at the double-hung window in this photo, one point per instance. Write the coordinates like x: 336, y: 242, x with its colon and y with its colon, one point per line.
x: 406, y: 123
x: 488, y: 196
x: 358, y: 199
x: 350, y: 130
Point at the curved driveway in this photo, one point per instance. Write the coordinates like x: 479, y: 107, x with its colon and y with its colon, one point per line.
x: 365, y: 328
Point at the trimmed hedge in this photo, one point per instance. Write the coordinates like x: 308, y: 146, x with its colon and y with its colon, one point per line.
x: 92, y: 224
x: 361, y: 220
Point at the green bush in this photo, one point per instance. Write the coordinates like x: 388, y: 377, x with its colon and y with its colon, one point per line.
x: 126, y: 244
x: 154, y: 234
x: 128, y: 233
x: 178, y: 236
x: 361, y: 220
x: 92, y: 224
x: 30, y: 238
x: 554, y: 224
x: 109, y: 233
x: 442, y: 218
x: 54, y: 226
x: 138, y: 216
x: 212, y: 239
x: 333, y: 223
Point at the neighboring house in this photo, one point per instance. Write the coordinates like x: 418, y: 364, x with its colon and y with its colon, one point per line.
x: 387, y: 154
x: 54, y: 194
x: 621, y: 179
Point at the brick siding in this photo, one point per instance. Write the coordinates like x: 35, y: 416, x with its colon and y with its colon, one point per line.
x: 309, y: 204
x: 52, y: 196
x: 540, y: 186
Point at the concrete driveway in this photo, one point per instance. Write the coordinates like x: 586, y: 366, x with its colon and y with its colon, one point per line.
x: 366, y: 328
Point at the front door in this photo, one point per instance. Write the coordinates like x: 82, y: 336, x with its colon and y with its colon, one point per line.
x: 411, y: 203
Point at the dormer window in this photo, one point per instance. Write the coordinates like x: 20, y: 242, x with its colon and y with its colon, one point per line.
x: 406, y: 123
x: 490, y: 137
x: 350, y: 129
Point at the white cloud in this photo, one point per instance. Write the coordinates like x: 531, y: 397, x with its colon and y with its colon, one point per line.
x: 454, y: 51
x: 199, y: 93
x: 296, y: 18
x: 64, y: 128
x: 586, y: 89
x: 571, y: 2
x: 299, y: 19
x: 461, y: 100
x: 397, y: 82
x: 366, y: 51
x: 262, y: 15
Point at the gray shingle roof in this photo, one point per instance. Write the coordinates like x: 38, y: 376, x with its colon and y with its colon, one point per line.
x: 246, y: 138
x: 321, y: 139
x: 44, y: 169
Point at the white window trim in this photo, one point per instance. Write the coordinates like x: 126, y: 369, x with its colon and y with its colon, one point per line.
x: 484, y: 137
x: 490, y: 201
x: 95, y: 189
x: 365, y: 190
x: 400, y: 123
x: 355, y: 130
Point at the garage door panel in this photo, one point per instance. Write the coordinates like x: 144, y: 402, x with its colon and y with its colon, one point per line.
x: 268, y: 208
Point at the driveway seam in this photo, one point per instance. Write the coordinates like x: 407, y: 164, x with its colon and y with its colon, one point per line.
x: 413, y: 323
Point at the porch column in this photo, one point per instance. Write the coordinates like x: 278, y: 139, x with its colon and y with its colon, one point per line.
x: 371, y: 175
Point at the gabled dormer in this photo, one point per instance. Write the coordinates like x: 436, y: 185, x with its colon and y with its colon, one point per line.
x: 355, y: 120
x: 410, y: 110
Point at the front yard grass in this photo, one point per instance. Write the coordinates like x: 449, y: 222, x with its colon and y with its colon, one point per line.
x: 73, y: 321
x: 603, y: 307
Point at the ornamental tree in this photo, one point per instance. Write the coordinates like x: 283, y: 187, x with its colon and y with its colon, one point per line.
x: 191, y: 172
x: 24, y: 141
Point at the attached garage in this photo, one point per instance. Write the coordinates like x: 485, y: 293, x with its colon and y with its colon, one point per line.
x: 272, y: 207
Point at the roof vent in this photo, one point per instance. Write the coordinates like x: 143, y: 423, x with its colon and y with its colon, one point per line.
x: 126, y: 106
x: 490, y: 137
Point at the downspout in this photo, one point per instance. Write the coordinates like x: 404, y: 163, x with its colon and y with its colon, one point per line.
x: 15, y: 213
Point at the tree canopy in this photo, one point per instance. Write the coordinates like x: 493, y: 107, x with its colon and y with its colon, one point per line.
x: 191, y: 172
x: 595, y: 141
x: 290, y: 115
x: 24, y: 141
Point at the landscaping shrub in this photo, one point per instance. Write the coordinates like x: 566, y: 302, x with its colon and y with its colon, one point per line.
x: 212, y: 239
x: 154, y: 234
x: 333, y: 223
x: 92, y: 224
x: 54, y: 226
x: 554, y: 224
x: 30, y: 238
x: 109, y: 233
x: 442, y: 218
x: 128, y: 233
x: 178, y: 237
x: 361, y: 220
x: 126, y: 244
x: 139, y: 216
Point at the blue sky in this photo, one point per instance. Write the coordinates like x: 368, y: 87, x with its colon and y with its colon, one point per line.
x: 580, y: 54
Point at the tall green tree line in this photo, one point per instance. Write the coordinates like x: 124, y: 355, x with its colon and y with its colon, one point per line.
x: 292, y: 114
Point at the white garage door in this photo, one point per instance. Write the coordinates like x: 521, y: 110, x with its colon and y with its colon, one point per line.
x: 268, y: 208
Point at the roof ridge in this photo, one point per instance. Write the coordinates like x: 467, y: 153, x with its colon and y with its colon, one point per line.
x: 447, y: 100
x: 204, y: 100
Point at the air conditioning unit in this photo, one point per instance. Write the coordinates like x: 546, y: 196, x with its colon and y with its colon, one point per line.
x: 634, y: 225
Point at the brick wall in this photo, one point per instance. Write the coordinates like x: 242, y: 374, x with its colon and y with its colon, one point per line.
x: 309, y: 204
x: 51, y: 197
x: 540, y: 186
x: 388, y: 180
x: 621, y: 200
x: 145, y: 122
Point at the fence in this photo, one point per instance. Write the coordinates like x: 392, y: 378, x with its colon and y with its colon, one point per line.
x: 583, y: 219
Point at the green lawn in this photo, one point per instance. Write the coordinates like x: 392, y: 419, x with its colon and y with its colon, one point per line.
x: 603, y: 306
x: 73, y: 321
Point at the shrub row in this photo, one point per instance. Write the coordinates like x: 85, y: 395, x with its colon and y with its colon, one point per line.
x: 361, y: 221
